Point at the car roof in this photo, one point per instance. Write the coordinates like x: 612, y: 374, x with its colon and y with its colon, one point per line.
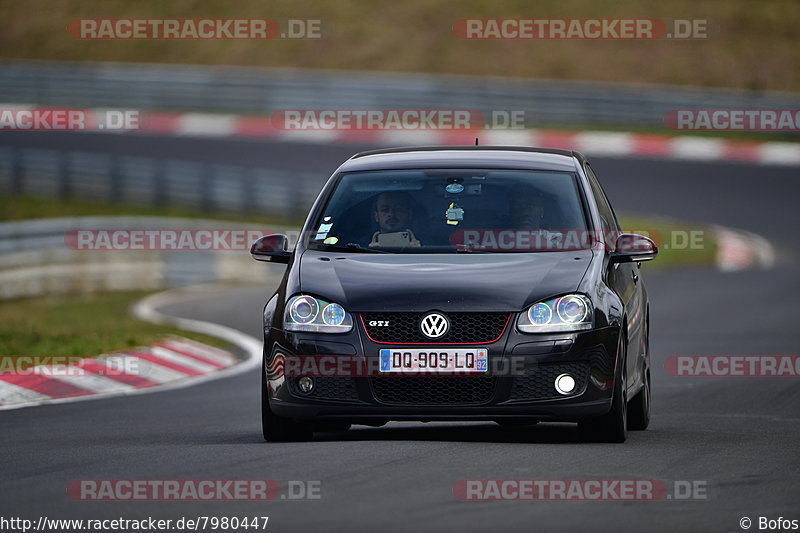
x: 506, y: 157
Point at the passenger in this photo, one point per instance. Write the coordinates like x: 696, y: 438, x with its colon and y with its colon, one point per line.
x: 526, y: 206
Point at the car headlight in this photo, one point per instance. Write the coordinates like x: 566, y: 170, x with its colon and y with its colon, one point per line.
x: 306, y: 313
x: 572, y: 312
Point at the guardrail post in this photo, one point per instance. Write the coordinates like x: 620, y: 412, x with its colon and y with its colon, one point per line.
x: 17, y: 173
x: 248, y: 191
x: 64, y: 176
x: 206, y: 187
x: 114, y: 180
x: 158, y: 184
x: 295, y: 184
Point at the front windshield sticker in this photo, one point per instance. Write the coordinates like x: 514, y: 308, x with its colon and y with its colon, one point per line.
x: 331, y: 240
x: 454, y: 188
x: 323, y: 230
x: 454, y: 214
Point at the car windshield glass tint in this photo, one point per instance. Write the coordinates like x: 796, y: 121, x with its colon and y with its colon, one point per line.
x: 452, y: 211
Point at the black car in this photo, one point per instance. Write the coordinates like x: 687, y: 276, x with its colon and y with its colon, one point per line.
x: 458, y: 283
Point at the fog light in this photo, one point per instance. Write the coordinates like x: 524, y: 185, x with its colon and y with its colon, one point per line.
x: 565, y: 384
x: 306, y: 384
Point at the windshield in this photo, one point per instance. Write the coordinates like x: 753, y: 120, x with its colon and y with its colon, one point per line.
x: 450, y: 211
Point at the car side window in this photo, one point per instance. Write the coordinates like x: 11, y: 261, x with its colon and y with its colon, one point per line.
x: 608, y: 219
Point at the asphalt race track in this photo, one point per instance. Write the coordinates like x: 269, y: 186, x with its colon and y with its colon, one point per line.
x: 738, y: 437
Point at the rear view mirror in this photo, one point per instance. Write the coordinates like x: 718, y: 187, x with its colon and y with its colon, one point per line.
x: 632, y: 247
x: 271, y: 248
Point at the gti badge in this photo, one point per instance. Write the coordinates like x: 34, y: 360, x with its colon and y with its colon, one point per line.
x: 434, y: 325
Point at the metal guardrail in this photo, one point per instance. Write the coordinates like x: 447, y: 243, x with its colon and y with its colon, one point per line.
x: 35, y: 258
x: 281, y: 194
x: 158, y: 182
x: 265, y: 90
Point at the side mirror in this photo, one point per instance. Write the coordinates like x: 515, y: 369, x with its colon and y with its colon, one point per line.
x: 271, y: 248
x: 632, y: 247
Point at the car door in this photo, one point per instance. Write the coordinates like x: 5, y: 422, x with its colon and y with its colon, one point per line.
x: 622, y: 278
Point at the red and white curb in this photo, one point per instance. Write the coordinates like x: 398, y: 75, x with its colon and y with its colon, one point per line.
x: 173, y: 363
x: 742, y: 250
x: 164, y: 362
x: 595, y: 143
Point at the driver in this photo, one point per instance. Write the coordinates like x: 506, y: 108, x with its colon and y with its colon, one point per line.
x: 394, y: 212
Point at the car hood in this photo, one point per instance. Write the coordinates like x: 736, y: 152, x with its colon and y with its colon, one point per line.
x: 363, y: 282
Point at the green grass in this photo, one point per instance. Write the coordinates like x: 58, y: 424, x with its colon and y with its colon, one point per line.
x: 27, y: 207
x: 77, y: 326
x: 680, y: 243
x: 753, y: 45
x: 88, y: 324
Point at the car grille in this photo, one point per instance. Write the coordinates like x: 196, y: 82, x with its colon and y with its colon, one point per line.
x: 434, y: 390
x: 327, y: 388
x: 465, y: 328
x: 537, y: 383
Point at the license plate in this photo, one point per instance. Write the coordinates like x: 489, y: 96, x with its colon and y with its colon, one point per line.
x: 434, y: 360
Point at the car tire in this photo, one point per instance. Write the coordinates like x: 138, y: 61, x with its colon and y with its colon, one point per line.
x: 639, y: 407
x: 612, y: 426
x: 277, y: 428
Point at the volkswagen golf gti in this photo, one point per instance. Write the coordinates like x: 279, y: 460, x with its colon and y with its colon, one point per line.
x: 458, y: 283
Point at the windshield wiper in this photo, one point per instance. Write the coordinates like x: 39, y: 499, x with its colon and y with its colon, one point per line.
x: 352, y: 247
x: 467, y: 249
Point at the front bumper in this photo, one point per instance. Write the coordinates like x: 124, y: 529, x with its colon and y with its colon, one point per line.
x: 519, y: 385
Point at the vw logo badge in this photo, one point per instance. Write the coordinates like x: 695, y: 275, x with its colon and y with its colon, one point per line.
x: 434, y: 325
